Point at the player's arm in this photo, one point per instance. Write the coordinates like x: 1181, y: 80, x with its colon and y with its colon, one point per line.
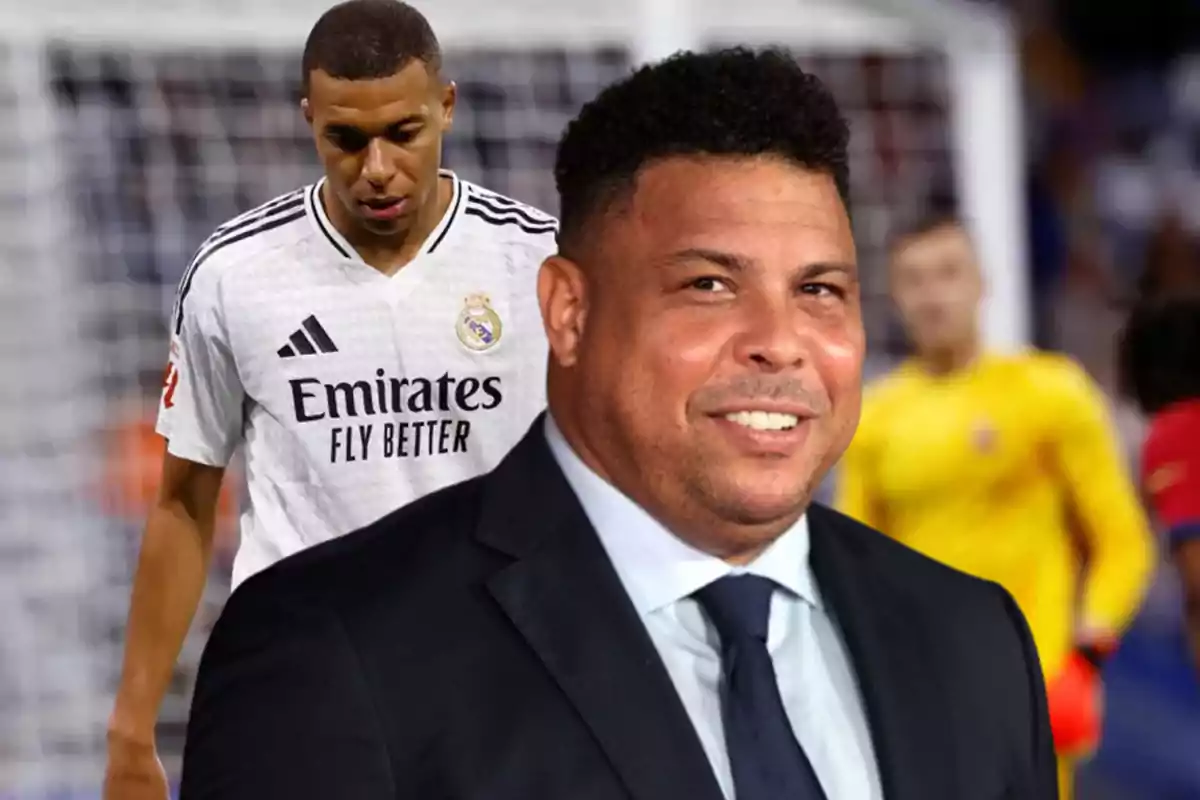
x: 281, y: 708
x: 200, y: 414
x: 856, y: 493
x: 169, y: 582
x: 1105, y: 504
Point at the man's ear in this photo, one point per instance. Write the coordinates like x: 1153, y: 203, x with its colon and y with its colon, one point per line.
x: 562, y: 291
x: 306, y: 110
x: 449, y: 101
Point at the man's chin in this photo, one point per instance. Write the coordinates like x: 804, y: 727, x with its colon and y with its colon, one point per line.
x: 757, y: 504
x: 382, y: 228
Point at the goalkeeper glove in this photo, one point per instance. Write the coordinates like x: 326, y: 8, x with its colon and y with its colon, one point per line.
x: 1076, y: 699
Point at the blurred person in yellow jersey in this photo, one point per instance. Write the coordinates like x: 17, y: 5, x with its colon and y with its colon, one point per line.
x: 1006, y: 467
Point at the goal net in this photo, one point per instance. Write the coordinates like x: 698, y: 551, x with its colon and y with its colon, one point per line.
x: 134, y: 132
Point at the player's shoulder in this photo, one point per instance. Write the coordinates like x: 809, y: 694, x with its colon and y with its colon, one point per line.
x: 890, y: 387
x: 885, y: 392
x: 1053, y: 378
x: 506, y: 222
x: 1036, y: 364
x: 1175, y: 428
x: 249, y: 236
x: 280, y: 220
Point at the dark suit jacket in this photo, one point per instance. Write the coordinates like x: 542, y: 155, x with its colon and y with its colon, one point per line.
x: 478, y: 644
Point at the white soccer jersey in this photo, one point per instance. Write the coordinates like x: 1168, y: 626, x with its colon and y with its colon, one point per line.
x: 353, y: 392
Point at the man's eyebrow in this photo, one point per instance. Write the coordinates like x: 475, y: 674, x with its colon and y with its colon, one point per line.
x: 349, y: 127
x: 734, y: 262
x: 822, y: 268
x: 730, y: 261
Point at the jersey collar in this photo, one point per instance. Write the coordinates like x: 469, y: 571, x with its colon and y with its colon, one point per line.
x: 331, y: 236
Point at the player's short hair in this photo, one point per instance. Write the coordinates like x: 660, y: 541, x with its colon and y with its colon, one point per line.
x: 367, y: 39
x: 1158, y: 352
x: 931, y: 222
x: 733, y: 102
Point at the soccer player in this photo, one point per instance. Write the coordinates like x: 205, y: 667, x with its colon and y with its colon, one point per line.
x: 1005, y: 467
x: 365, y: 340
x: 1159, y: 358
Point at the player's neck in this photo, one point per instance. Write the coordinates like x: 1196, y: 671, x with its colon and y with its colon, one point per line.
x: 949, y: 360
x: 389, y: 253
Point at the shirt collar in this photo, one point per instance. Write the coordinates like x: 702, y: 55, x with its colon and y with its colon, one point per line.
x: 656, y: 567
x: 319, y: 217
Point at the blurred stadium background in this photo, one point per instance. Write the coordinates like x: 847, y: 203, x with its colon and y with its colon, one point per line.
x: 1068, y: 132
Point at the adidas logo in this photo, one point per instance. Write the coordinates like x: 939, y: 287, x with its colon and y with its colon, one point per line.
x: 301, y: 344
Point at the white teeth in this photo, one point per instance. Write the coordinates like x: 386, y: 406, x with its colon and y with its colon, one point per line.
x: 764, y: 420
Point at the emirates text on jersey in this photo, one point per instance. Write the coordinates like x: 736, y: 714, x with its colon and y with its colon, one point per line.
x: 446, y: 398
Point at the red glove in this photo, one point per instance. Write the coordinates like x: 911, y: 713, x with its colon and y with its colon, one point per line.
x: 1076, y: 702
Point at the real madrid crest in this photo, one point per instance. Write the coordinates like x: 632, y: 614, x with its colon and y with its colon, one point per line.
x: 984, y: 436
x: 479, y: 327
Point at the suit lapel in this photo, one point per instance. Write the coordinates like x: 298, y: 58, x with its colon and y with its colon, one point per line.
x: 566, y: 600
x: 895, y: 662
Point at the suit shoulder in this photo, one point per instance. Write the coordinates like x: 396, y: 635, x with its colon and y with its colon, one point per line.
x: 916, y: 573
x: 395, y: 553
x: 974, y: 625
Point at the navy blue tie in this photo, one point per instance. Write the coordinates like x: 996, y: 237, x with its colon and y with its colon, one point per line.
x: 766, y: 760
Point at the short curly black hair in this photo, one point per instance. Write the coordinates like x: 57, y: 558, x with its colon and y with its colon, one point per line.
x: 367, y: 39
x: 1158, y: 352
x: 732, y: 102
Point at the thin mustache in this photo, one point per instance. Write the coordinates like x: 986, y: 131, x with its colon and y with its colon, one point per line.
x: 748, y: 390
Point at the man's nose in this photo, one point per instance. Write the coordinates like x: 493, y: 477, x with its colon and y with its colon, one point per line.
x: 377, y: 166
x: 775, y: 337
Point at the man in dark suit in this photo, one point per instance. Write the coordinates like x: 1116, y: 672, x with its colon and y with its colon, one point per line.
x: 641, y: 601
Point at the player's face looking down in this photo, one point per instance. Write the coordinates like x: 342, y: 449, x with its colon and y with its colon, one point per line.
x: 381, y: 144
x: 708, y: 344
x: 937, y: 286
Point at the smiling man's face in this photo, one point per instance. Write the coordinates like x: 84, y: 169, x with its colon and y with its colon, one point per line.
x: 713, y: 335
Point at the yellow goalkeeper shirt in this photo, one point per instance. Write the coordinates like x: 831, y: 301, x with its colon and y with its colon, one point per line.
x: 1001, y: 470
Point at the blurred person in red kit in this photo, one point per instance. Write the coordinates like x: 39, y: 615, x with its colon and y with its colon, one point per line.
x: 1159, y: 358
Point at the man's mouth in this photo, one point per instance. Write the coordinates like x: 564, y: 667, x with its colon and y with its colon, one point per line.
x: 764, y: 420
x: 383, y: 207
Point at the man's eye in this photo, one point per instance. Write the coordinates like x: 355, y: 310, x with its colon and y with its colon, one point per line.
x: 823, y: 290
x: 709, y: 284
x: 403, y: 135
x: 350, y: 141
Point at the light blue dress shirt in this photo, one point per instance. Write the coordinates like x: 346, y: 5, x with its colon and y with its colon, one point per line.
x: 660, y: 572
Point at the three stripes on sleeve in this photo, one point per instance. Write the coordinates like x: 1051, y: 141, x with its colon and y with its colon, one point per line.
x: 271, y: 215
x: 499, y: 210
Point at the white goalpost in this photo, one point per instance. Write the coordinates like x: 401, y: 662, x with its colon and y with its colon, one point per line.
x: 137, y: 127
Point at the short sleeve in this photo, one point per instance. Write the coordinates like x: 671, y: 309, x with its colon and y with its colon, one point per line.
x: 200, y: 411
x: 1171, y: 470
